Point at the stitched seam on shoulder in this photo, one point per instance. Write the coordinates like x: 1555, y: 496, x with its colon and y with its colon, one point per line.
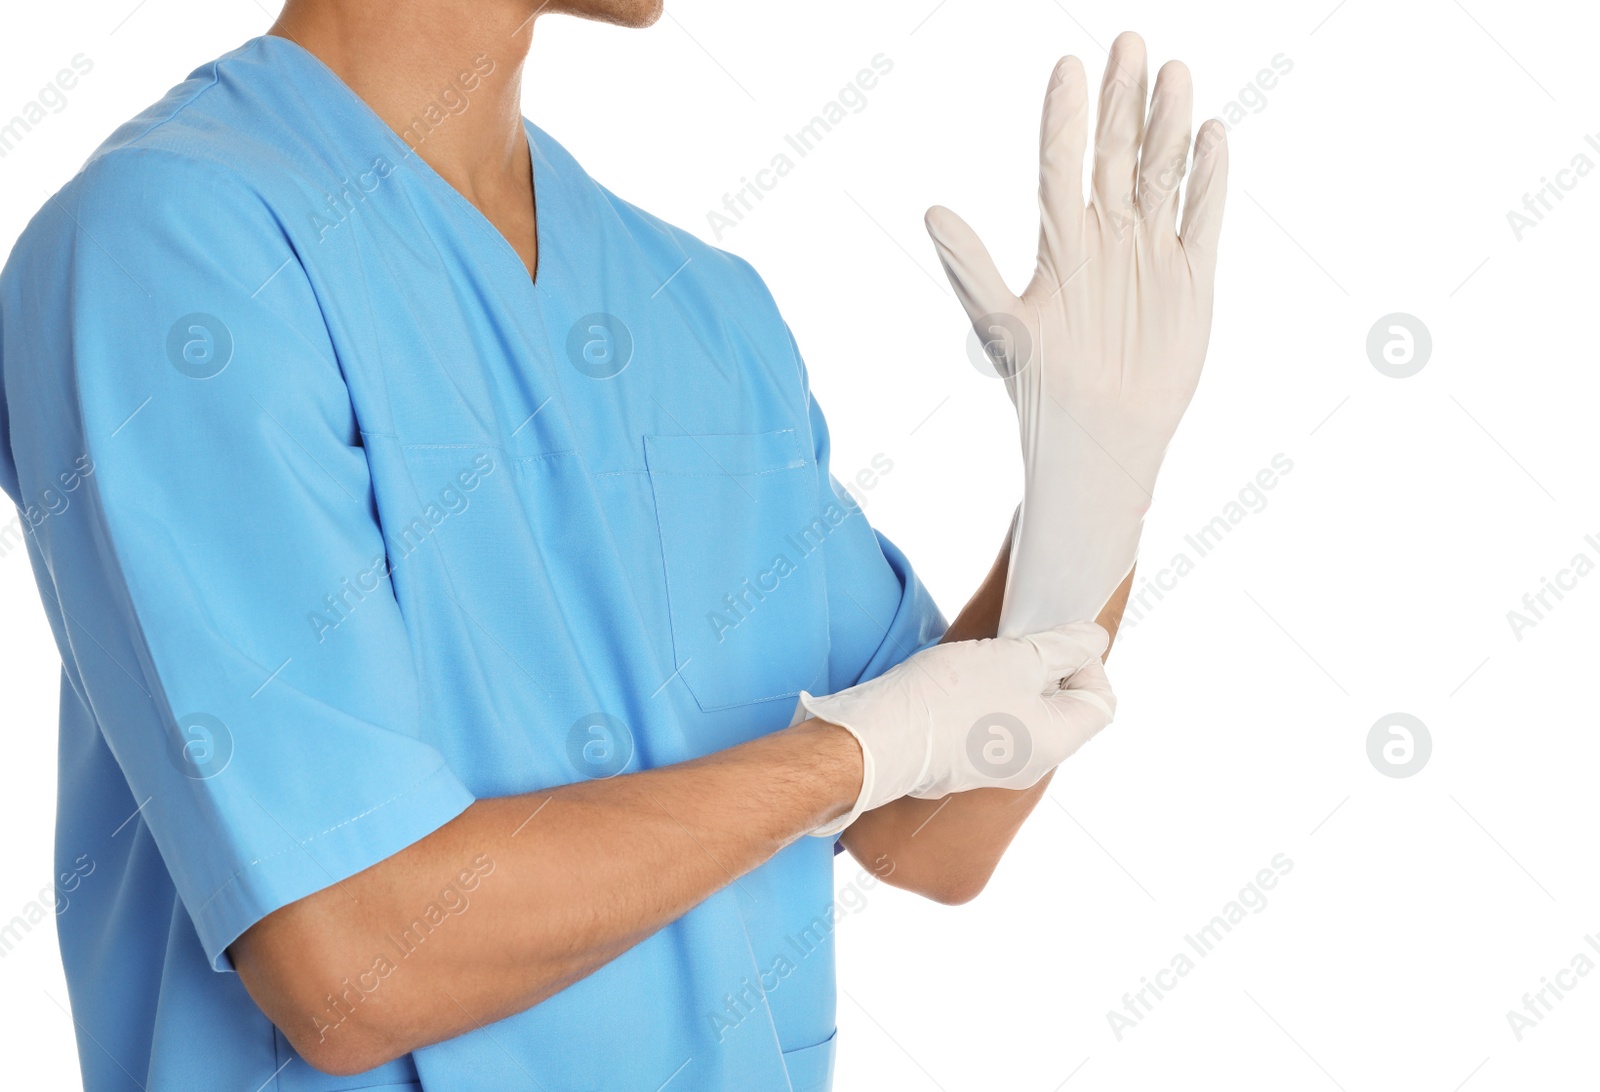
x: 190, y: 101
x: 216, y: 65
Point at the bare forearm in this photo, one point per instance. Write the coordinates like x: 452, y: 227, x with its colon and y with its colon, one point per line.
x: 947, y: 849
x: 562, y: 882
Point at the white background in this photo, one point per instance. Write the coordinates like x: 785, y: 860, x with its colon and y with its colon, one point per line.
x: 1376, y: 178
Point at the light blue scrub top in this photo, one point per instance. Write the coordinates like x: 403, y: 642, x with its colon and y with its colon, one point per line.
x: 342, y: 522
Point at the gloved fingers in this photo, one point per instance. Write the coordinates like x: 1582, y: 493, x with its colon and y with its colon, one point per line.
x: 978, y: 284
x: 1165, y: 155
x: 1119, y: 131
x: 1064, y: 649
x: 1203, y: 198
x: 1089, y: 685
x: 1063, y: 134
x: 1067, y: 719
x: 1075, y: 718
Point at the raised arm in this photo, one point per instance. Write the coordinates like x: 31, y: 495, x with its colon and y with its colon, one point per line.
x: 1100, y: 355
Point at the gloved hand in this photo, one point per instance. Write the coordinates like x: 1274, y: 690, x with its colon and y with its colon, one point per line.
x: 1000, y: 713
x: 1102, y: 351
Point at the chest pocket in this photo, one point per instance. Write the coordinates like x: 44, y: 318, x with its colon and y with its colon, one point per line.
x: 741, y: 544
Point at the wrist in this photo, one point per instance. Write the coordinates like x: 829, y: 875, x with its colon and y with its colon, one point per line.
x: 840, y: 766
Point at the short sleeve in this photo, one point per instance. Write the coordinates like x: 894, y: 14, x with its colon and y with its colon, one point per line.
x: 879, y: 612
x: 215, y: 573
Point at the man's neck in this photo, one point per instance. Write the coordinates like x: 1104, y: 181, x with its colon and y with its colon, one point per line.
x: 445, y: 74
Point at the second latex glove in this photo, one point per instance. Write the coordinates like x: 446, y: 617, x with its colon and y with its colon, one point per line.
x: 972, y: 714
x: 1102, y: 351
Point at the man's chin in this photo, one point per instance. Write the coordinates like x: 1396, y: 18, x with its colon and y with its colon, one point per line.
x: 622, y: 13
x: 649, y: 12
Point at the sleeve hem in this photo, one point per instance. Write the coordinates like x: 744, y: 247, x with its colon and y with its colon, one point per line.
x: 267, y: 884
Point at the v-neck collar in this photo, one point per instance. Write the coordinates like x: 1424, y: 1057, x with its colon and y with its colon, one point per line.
x: 543, y: 182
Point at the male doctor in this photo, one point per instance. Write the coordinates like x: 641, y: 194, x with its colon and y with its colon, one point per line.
x: 469, y: 664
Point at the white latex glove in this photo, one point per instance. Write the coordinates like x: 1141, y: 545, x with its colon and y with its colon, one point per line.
x: 1000, y: 712
x: 1102, y: 351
